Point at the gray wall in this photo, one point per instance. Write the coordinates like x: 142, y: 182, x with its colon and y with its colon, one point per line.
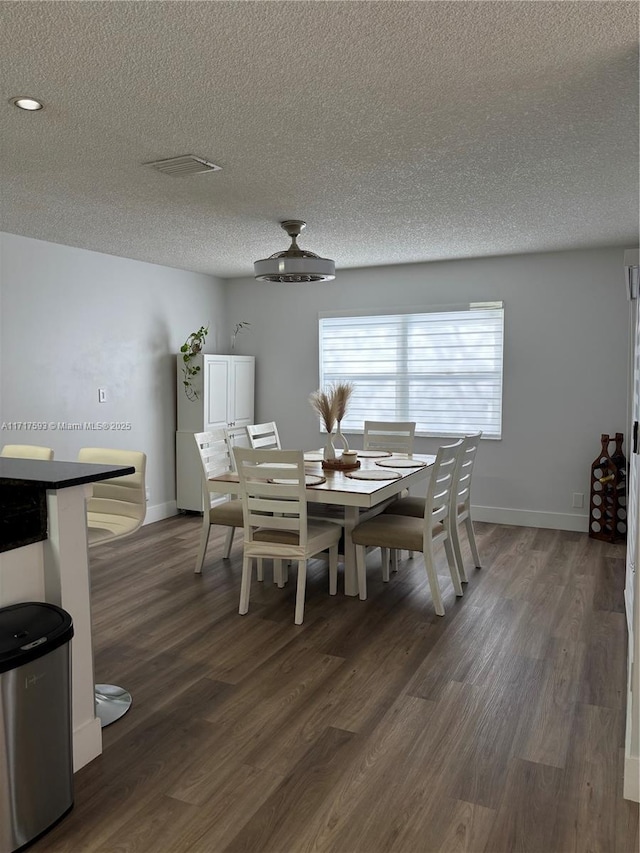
x: 565, y: 364
x: 73, y: 321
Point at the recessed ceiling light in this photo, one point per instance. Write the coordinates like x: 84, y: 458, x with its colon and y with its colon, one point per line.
x: 26, y: 102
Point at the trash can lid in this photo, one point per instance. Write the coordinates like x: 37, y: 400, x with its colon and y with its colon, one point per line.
x: 30, y: 630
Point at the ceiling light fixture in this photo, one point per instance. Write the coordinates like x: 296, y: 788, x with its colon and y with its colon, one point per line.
x: 183, y: 166
x: 295, y: 264
x: 26, y: 102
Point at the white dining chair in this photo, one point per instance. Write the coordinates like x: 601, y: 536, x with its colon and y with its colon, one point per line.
x: 460, y: 504
x: 263, y: 436
x: 394, y: 436
x: 217, y: 459
x: 416, y: 534
x: 27, y: 451
x: 276, y: 525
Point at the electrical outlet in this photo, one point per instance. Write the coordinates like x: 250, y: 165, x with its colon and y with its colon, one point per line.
x: 102, y: 395
x: 147, y: 494
x: 578, y: 500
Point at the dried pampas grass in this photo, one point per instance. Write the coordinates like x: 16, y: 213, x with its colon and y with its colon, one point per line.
x: 331, y: 405
x: 341, y: 393
x: 324, y: 404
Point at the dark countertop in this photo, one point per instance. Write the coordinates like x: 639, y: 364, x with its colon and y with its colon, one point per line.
x: 55, y: 475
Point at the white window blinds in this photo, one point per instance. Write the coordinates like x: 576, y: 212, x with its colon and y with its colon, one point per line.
x: 441, y: 368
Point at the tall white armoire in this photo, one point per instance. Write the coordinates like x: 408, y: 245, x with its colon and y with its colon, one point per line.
x: 225, y: 398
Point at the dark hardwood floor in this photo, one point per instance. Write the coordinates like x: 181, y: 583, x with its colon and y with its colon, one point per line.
x: 375, y: 726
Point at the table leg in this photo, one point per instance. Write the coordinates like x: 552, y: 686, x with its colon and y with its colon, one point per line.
x: 351, y: 518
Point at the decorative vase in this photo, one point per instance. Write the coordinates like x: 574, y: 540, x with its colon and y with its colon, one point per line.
x: 329, y: 448
x: 343, y: 440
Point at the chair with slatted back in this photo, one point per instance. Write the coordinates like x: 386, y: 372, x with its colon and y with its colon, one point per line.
x: 27, y: 451
x: 416, y: 534
x: 116, y: 509
x: 263, y: 436
x: 217, y: 459
x: 391, y: 437
x: 394, y: 436
x: 460, y: 504
x: 276, y: 525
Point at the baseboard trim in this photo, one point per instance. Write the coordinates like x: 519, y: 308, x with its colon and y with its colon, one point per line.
x: 631, y: 787
x: 160, y: 511
x: 87, y: 742
x: 491, y: 514
x: 531, y: 518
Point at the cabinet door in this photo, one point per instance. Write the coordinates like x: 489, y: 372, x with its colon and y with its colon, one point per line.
x: 241, y: 393
x: 216, y: 383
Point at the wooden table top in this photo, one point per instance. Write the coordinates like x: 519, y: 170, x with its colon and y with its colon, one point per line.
x: 340, y: 489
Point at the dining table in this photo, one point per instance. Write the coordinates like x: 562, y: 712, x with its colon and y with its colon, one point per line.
x: 356, y: 493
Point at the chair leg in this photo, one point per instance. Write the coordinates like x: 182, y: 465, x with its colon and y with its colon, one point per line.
x: 472, y: 541
x: 260, y: 569
x: 455, y: 541
x: 300, y: 591
x: 278, y: 573
x: 202, y: 549
x: 433, y: 582
x: 228, y: 542
x: 394, y: 560
x: 384, y: 558
x: 333, y: 570
x: 453, y: 569
x: 410, y: 554
x: 245, y: 585
x: 361, y: 571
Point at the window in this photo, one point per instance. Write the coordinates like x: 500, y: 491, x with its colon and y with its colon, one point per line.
x: 441, y: 368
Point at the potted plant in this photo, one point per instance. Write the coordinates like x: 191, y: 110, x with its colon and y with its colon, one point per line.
x: 238, y: 328
x: 324, y: 404
x: 342, y: 392
x: 190, y: 349
x: 331, y: 405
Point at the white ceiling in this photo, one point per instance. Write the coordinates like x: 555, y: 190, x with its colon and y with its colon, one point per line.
x: 400, y: 131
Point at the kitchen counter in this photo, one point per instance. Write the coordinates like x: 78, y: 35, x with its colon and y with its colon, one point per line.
x: 44, y: 557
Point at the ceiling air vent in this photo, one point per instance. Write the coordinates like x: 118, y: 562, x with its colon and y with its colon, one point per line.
x: 188, y: 164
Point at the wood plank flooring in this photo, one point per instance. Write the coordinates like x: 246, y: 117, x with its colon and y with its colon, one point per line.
x: 375, y: 727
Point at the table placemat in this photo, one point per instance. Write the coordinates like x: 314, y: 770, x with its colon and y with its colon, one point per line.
x: 372, y: 474
x: 401, y: 463
x: 373, y: 454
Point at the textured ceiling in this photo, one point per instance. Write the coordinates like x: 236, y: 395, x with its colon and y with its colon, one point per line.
x: 400, y: 131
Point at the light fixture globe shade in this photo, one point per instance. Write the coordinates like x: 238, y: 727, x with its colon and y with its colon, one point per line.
x: 295, y: 269
x: 294, y: 265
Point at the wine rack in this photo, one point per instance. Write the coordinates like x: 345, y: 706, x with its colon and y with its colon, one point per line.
x: 608, y: 499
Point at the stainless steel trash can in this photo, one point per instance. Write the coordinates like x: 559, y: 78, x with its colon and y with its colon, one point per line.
x: 36, y: 747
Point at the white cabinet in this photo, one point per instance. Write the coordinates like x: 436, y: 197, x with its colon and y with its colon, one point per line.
x: 225, y: 398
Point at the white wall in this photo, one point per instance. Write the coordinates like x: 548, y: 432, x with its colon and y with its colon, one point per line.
x: 565, y: 376
x: 73, y: 321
